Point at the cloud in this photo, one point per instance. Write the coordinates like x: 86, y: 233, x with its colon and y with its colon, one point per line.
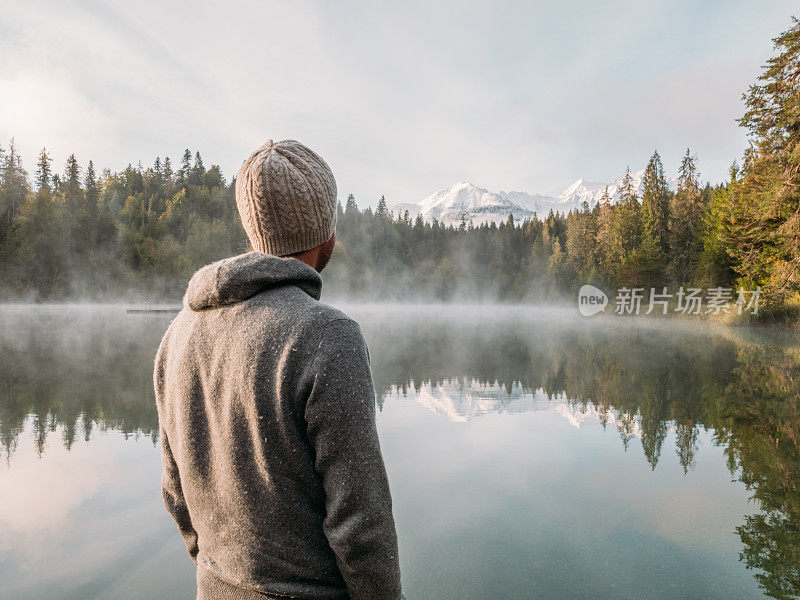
x: 49, y: 111
x: 41, y: 493
x: 401, y: 99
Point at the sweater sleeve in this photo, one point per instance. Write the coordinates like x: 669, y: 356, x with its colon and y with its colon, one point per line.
x: 340, y: 416
x: 173, y: 497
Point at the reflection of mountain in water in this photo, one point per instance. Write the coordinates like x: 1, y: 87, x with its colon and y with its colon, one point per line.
x: 463, y: 399
x: 460, y: 400
x: 629, y: 426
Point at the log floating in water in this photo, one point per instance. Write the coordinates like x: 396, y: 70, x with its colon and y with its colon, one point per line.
x: 148, y: 310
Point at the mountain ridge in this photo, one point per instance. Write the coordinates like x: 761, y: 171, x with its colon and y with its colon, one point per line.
x: 468, y: 202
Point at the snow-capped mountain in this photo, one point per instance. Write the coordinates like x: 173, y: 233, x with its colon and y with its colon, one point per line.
x: 449, y: 204
x: 468, y: 202
x: 592, y: 192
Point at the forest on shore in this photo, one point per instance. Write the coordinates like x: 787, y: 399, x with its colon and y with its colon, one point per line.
x: 139, y: 234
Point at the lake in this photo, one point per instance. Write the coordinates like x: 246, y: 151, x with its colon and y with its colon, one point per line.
x: 531, y: 454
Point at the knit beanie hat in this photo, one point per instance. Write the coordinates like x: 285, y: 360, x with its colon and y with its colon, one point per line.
x: 286, y: 196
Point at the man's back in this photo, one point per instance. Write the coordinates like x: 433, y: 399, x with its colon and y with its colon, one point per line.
x: 272, y: 468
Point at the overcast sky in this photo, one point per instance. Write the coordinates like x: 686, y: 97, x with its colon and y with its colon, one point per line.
x: 401, y: 99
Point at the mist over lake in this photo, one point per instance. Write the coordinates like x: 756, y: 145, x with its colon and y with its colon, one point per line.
x: 531, y: 453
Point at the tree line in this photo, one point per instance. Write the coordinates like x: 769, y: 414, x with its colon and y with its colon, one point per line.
x: 743, y: 233
x: 141, y: 232
x: 652, y: 240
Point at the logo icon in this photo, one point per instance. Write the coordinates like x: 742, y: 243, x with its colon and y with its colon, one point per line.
x: 591, y: 300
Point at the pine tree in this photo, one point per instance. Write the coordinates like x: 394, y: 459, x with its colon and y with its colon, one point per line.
x: 198, y: 170
x: 92, y: 200
x: 14, y: 187
x: 382, y: 212
x: 186, y: 167
x: 73, y: 195
x: 655, y: 203
x: 627, y: 191
x: 581, y: 234
x: 44, y: 172
x: 628, y: 219
x: 627, y: 232
x: 764, y: 219
x: 685, y: 218
x: 167, y: 169
x: 715, y: 267
x: 605, y: 237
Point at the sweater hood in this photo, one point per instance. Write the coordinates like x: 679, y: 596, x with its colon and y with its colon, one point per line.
x: 238, y: 278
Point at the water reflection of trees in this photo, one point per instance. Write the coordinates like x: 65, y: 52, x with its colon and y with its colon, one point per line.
x: 745, y: 386
x: 761, y: 425
x: 70, y: 371
x: 77, y: 371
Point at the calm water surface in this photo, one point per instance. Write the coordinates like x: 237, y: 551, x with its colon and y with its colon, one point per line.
x: 531, y: 454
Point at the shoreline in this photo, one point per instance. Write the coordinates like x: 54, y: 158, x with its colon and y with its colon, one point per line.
x: 788, y: 320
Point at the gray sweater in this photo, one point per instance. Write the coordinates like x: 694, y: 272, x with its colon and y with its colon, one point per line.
x: 272, y: 468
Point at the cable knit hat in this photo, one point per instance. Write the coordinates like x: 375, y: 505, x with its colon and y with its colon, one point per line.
x: 286, y: 195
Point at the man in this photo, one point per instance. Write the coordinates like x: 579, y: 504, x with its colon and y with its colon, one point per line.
x: 272, y: 468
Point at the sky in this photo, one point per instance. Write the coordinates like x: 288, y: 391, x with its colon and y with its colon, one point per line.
x: 400, y: 98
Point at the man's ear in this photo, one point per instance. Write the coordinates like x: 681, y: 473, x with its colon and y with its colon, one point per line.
x: 325, y: 253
